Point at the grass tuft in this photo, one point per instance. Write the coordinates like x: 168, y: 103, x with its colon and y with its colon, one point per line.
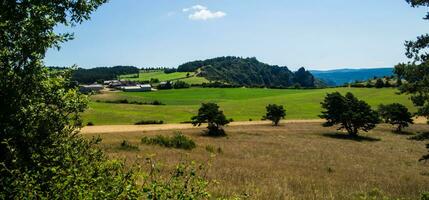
x: 178, y: 141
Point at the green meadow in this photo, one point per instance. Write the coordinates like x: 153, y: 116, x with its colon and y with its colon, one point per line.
x: 241, y: 104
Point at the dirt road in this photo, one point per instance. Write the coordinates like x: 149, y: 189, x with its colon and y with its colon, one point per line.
x: 136, y: 128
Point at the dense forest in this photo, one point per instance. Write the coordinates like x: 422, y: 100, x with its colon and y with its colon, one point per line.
x: 98, y: 74
x: 248, y: 72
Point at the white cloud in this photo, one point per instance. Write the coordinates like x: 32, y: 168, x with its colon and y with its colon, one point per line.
x: 200, y: 12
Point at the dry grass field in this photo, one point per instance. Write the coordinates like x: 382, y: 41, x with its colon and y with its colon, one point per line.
x: 295, y: 161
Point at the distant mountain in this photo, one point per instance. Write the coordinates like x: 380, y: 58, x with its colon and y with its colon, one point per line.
x: 342, y: 76
x: 248, y: 72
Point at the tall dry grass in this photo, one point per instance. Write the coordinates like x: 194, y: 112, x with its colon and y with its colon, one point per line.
x: 295, y: 161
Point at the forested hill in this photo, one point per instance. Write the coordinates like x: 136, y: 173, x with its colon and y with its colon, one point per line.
x: 248, y: 72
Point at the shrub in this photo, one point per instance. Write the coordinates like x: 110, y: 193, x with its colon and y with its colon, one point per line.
x: 210, y: 113
x: 157, y: 103
x: 180, y: 85
x: 275, y: 113
x: 349, y: 112
x: 185, y: 182
x: 145, y: 122
x: 90, y: 124
x: 424, y: 196
x: 178, y: 141
x: 125, y: 145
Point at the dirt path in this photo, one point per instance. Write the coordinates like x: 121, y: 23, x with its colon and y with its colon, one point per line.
x: 136, y: 128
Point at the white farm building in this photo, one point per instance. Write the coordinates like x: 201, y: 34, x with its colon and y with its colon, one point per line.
x: 137, y: 88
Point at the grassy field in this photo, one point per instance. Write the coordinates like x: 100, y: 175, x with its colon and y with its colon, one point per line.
x: 241, y: 104
x: 195, y: 80
x: 294, y: 161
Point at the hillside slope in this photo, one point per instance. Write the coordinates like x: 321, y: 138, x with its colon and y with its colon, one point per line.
x: 248, y: 72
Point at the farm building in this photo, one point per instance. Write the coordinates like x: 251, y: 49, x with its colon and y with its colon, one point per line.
x: 137, y: 88
x: 90, y: 88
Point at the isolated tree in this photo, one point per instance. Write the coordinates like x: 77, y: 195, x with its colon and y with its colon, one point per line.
x: 275, y: 113
x: 210, y: 113
x: 349, y: 112
x: 396, y: 114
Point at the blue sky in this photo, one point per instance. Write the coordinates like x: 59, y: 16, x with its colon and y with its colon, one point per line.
x: 314, y: 34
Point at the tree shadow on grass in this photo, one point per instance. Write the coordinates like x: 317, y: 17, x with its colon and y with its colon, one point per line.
x: 403, y: 133
x: 358, y: 138
x: 420, y: 136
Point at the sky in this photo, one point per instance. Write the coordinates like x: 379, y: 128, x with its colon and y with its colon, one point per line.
x: 314, y: 34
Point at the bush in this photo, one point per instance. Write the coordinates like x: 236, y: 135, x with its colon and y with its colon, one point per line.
x: 180, y: 85
x: 424, y: 196
x: 145, y: 122
x: 178, y: 141
x: 125, y: 145
x: 90, y: 124
x: 157, y: 103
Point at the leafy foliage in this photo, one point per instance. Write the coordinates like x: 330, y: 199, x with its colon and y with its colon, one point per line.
x: 396, y: 114
x: 349, y: 112
x: 248, y: 72
x: 41, y: 154
x: 416, y: 73
x: 275, y: 113
x: 187, y: 181
x: 210, y: 113
x: 178, y: 141
x: 180, y: 84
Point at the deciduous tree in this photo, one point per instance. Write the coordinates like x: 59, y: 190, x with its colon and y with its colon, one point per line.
x: 349, y: 112
x: 210, y: 113
x: 396, y: 114
x: 416, y: 72
x: 275, y: 113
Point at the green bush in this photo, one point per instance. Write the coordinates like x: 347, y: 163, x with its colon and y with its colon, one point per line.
x: 125, y: 145
x: 178, y: 141
x: 424, y: 196
x: 145, y: 122
x: 42, y: 156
